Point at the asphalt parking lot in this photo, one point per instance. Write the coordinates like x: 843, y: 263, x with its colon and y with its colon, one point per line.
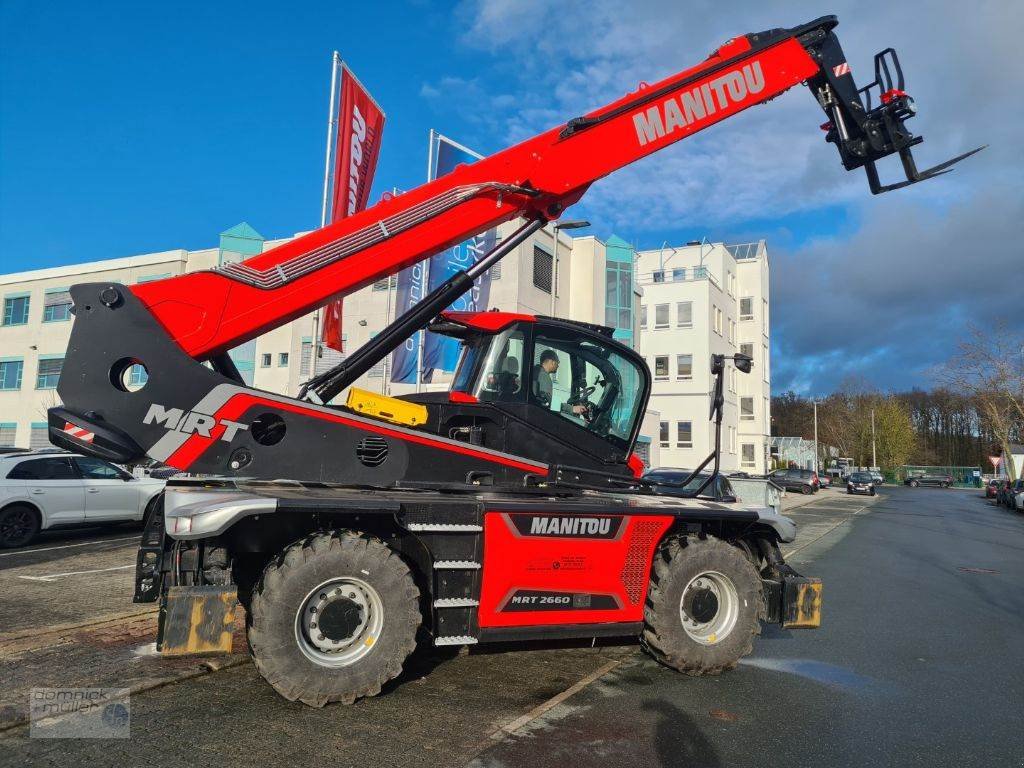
x: 921, y: 614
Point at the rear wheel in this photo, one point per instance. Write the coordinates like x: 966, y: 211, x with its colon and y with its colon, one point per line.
x: 333, y: 618
x: 703, y: 607
x: 914, y: 484
x: 19, y: 524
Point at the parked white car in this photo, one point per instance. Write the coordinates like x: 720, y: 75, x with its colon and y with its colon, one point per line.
x: 46, y: 489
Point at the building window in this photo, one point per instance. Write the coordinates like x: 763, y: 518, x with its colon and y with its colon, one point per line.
x: 643, y: 315
x: 48, y: 373
x: 678, y: 274
x: 718, y: 321
x: 764, y: 361
x: 659, y: 276
x: 495, y: 272
x: 618, y: 295
x: 16, y: 310
x: 764, y: 316
x: 137, y: 376
x: 684, y: 434
x: 747, y: 308
x: 661, y: 368
x: 304, y: 358
x: 39, y: 437
x: 661, y: 316
x: 282, y: 360
x: 56, y: 306
x: 377, y: 371
x: 8, y: 432
x: 684, y: 314
x: 748, y: 350
x: 266, y: 359
x: 663, y: 434
x: 746, y: 409
x: 684, y: 367
x: 382, y: 285
x: 10, y: 374
x: 542, y: 264
x: 732, y: 331
x: 747, y: 455
x: 728, y: 282
x: 732, y: 439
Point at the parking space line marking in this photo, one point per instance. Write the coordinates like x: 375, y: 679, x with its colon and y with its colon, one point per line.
x: 66, y: 546
x: 827, y: 532
x: 554, y: 701
x: 54, y: 576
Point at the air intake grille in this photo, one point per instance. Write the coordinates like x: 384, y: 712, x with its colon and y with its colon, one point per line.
x: 372, y: 451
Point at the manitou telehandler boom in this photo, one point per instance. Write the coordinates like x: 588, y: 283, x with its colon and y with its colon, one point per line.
x: 505, y: 508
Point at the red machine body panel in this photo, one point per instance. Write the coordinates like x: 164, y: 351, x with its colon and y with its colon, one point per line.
x: 547, y: 568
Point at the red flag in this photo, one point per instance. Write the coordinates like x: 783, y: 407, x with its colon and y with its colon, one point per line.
x: 360, y: 127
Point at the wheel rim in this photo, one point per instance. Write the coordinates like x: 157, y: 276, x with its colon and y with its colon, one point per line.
x: 15, y: 526
x: 339, y: 622
x: 709, y: 607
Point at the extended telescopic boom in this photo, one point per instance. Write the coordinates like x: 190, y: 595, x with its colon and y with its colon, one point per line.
x: 208, y: 313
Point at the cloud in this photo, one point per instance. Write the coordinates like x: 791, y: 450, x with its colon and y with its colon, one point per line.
x: 887, y: 299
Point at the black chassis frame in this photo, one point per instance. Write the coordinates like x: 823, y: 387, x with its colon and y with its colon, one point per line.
x: 427, y: 527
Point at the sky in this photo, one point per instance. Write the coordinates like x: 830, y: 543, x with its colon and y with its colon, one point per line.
x: 129, y: 128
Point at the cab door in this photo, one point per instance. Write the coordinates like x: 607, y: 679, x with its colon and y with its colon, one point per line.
x: 53, y: 485
x: 110, y: 493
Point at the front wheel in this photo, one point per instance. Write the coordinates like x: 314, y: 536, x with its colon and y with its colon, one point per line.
x: 914, y: 484
x: 704, y: 606
x: 333, y: 618
x: 806, y: 490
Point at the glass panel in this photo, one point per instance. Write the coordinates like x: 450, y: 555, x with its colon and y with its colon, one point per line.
x: 679, y: 274
x: 48, y: 373
x: 625, y: 287
x: 10, y: 374
x: 625, y: 318
x: 684, y: 366
x: 493, y: 369
x: 94, y: 469
x: 611, y: 298
x: 16, y: 310
x: 663, y: 433
x: 661, y: 367
x: 542, y: 269
x: 659, y: 276
x: 588, y: 384
x: 684, y: 314
x: 684, y: 434
x: 661, y: 316
x: 53, y: 468
x: 747, y: 309
x: 643, y: 315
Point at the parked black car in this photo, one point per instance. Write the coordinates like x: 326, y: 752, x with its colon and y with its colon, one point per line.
x: 800, y: 480
x: 860, y: 482
x: 937, y: 480
x: 719, y: 490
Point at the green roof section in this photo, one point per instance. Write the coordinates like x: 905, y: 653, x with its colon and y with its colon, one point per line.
x: 617, y: 249
x: 241, y: 239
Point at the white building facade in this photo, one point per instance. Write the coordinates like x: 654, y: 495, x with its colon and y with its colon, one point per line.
x: 606, y: 283
x: 699, y: 300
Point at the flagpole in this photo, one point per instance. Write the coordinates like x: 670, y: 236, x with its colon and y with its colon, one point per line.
x: 335, y: 59
x: 426, y: 268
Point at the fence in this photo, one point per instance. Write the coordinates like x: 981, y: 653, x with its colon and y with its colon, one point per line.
x: 963, y: 477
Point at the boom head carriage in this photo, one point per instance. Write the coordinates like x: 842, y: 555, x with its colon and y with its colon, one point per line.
x: 869, y: 123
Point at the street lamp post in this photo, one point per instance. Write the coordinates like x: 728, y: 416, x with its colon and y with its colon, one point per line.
x: 554, y: 256
x: 874, y: 457
x: 815, y: 435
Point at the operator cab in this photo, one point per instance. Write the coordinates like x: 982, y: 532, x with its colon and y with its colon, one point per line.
x: 538, y: 386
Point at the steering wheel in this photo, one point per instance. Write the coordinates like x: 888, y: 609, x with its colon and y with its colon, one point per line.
x: 582, y: 397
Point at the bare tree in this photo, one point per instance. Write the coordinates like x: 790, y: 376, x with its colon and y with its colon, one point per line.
x: 989, y: 367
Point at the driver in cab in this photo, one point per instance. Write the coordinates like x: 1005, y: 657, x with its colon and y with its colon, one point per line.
x: 543, y: 375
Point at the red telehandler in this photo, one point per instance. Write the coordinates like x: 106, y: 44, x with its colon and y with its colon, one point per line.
x: 480, y: 514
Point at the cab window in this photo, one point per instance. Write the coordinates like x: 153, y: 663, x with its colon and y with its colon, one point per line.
x: 586, y: 383
x: 492, y: 370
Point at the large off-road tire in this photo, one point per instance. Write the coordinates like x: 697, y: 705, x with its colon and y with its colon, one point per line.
x: 333, y: 618
x: 704, y: 606
x: 19, y: 525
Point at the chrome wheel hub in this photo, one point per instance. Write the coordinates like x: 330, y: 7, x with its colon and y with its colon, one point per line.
x: 339, y: 622
x: 709, y: 607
